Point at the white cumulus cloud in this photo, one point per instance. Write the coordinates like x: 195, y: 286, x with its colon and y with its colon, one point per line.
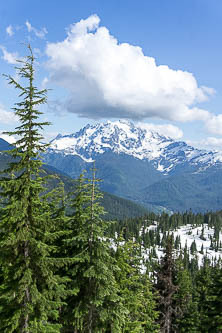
x: 209, y: 143
x: 6, y: 117
x: 7, y: 138
x: 169, y: 130
x: 9, y: 57
x: 214, y: 124
x: 39, y: 33
x: 9, y: 30
x: 108, y: 79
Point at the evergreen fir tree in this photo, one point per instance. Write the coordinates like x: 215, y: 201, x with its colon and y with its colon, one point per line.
x: 31, y: 293
x: 202, y: 249
x: 166, y: 289
x: 186, y: 318
x: 203, y: 287
x: 213, y: 322
x: 95, y: 305
x: 193, y: 247
x: 135, y: 289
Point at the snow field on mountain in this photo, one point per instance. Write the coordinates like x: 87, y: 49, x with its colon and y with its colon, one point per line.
x: 123, y: 137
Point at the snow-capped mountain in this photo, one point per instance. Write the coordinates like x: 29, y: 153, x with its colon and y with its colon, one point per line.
x: 123, y: 137
x: 141, y: 165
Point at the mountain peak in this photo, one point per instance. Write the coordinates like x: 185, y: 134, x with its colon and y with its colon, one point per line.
x: 124, y: 137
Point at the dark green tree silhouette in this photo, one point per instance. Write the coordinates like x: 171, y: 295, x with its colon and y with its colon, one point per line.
x: 31, y: 293
x: 135, y: 289
x: 95, y: 304
x: 166, y: 288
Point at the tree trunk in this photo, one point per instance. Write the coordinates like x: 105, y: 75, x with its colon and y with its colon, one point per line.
x: 27, y: 295
x: 90, y: 320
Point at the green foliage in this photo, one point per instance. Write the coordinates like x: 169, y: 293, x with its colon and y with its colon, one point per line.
x: 166, y: 288
x: 95, y: 303
x: 65, y: 268
x: 30, y: 293
x: 187, y: 316
x: 215, y: 301
x: 118, y: 208
x: 208, y: 293
x: 135, y: 289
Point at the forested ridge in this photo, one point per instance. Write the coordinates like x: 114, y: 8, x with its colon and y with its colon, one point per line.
x: 64, y: 267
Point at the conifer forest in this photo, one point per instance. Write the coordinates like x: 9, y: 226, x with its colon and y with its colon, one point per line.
x: 65, y: 266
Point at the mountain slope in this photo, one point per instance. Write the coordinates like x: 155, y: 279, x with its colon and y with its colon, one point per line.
x: 115, y: 207
x: 199, y: 192
x: 122, y: 137
x: 142, y: 165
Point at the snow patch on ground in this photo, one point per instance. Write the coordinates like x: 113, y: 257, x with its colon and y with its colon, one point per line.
x: 202, y: 236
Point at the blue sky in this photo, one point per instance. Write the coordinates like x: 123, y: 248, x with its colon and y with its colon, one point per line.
x: 155, y: 62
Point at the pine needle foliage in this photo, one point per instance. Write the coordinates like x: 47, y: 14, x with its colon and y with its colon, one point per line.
x: 135, y: 289
x: 95, y: 305
x: 31, y: 293
x: 166, y: 288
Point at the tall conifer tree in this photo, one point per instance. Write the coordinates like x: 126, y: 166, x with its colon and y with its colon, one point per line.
x: 95, y: 305
x: 214, y: 322
x: 187, y: 318
x: 135, y: 289
x: 30, y: 294
x: 166, y: 288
